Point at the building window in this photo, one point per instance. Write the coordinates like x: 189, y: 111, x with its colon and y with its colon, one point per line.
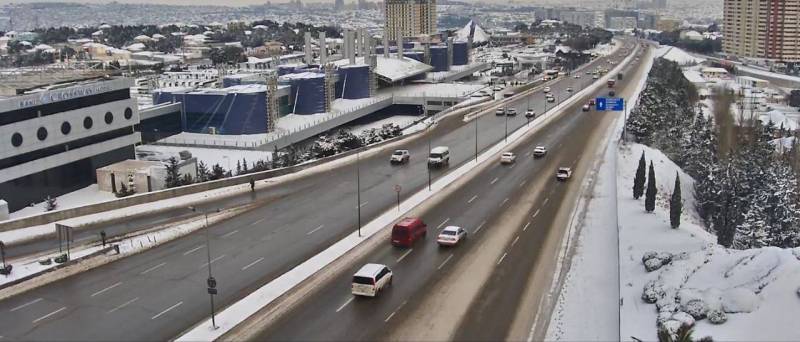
x: 41, y: 133
x: 128, y: 113
x: 65, y: 128
x: 109, y: 118
x: 87, y: 122
x: 16, y: 139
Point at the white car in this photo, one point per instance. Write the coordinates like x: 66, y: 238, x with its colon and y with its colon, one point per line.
x: 511, y: 112
x: 451, y: 235
x: 508, y: 158
x: 594, y: 77
x: 497, y: 88
x: 371, y: 279
x: 586, y: 108
x: 569, y: 89
x: 400, y: 157
x: 577, y: 76
x: 563, y: 173
x: 500, y: 111
x: 539, y: 151
x: 530, y: 114
x: 546, y: 89
x: 551, y: 99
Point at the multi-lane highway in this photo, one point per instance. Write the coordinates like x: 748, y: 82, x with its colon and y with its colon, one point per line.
x: 156, y: 294
x: 479, y: 206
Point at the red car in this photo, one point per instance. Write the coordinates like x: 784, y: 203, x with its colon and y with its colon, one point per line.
x: 408, y: 230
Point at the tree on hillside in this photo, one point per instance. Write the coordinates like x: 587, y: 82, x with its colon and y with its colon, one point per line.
x: 638, y: 181
x: 700, y: 148
x: 217, y: 172
x: 173, y: 173
x: 203, y: 174
x: 650, y: 195
x: 675, y: 203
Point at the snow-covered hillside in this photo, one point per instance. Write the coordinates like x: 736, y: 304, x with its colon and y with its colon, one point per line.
x: 677, y: 55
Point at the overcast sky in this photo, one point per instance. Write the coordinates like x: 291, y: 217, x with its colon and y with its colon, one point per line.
x: 180, y: 2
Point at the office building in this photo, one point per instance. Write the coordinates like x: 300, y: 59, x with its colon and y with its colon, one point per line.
x: 409, y: 18
x: 767, y: 29
x: 54, y: 138
x: 580, y: 18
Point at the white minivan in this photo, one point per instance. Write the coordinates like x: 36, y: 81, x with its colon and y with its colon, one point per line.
x: 371, y: 279
x: 439, y: 156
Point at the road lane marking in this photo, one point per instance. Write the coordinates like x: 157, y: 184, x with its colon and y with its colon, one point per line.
x: 252, y: 263
x: 153, y: 268
x: 212, y: 261
x: 84, y: 238
x: 501, y: 258
x: 390, y: 317
x: 362, y: 204
x: 546, y: 199
x: 526, y: 226
x: 193, y: 250
x: 528, y: 154
x: 494, y: 180
x: 472, y: 199
x: 515, y: 241
x: 504, y: 201
x: 258, y: 221
x: 535, y: 214
x: 315, y: 229
x: 444, y: 262
x: 345, y: 304
x: 48, y: 315
x: 167, y: 310
x: 123, y: 305
x: 404, y: 255
x: 229, y: 234
x: 106, y: 289
x: 442, y: 224
x: 523, y: 183
x: 479, y: 227
x: 512, y: 165
x: 26, y: 304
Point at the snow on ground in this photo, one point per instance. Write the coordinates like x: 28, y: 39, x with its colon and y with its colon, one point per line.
x: 400, y: 120
x: 779, y: 119
x: 602, y: 49
x: 27, y: 267
x: 438, y: 90
x: 225, y: 157
x: 677, y: 55
x: 77, y: 198
x: 765, y: 73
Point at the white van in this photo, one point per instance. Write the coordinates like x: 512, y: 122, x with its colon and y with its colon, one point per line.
x: 439, y: 156
x: 371, y: 279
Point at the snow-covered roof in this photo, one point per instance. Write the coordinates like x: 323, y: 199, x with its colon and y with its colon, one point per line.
x: 677, y: 55
x: 135, y: 47
x: 158, y: 36
x: 393, y: 69
x: 714, y: 70
x: 779, y: 118
x: 479, y: 35
x: 694, y: 76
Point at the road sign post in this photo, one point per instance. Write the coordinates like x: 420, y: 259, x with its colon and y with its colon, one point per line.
x: 397, y: 189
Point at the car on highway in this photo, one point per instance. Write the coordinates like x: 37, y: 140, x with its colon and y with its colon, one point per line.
x: 400, y: 157
x: 611, y: 93
x: 569, y: 89
x: 577, y: 76
x: 439, y: 156
x: 408, y: 230
x: 370, y: 279
x: 551, y: 99
x: 595, y: 76
x: 451, y: 236
x: 539, y: 151
x: 591, y: 102
x: 546, y: 90
x: 508, y: 158
x: 497, y: 88
x: 530, y: 114
x: 563, y: 173
x: 500, y: 111
x: 586, y: 107
x: 511, y: 112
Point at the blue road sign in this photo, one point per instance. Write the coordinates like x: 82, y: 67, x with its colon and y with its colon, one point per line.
x: 600, y: 104
x: 617, y: 104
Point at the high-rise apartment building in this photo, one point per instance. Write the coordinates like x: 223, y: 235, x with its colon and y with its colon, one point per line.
x: 762, y: 29
x: 408, y: 18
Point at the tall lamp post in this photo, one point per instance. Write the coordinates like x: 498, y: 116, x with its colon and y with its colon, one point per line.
x: 211, y: 282
x: 358, y: 190
x: 477, y: 117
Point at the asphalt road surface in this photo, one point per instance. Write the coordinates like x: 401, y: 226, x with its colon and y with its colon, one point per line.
x: 333, y: 314
x: 157, y: 294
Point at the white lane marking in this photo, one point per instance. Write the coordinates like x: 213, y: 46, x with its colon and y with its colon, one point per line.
x: 193, y: 250
x: 404, y: 255
x: 494, y: 180
x: 106, y: 289
x: 528, y: 154
x: 167, y: 310
x: 526, y: 226
x: 315, y: 229
x: 345, y: 304
x: 26, y: 304
x: 501, y: 258
x: 444, y: 262
x: 84, y: 238
x: 48, y: 315
x: 479, y: 227
x: 523, y: 183
x: 535, y: 214
x: 472, y: 199
x: 258, y: 221
x: 504, y: 201
x: 229, y: 234
x: 390, y: 317
x: 442, y: 224
x: 153, y: 268
x: 547, y: 199
x: 252, y: 263
x: 512, y: 165
x: 123, y: 305
x: 515, y: 241
x: 212, y: 261
x: 362, y: 204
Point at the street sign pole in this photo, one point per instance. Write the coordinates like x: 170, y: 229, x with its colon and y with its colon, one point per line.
x: 397, y: 189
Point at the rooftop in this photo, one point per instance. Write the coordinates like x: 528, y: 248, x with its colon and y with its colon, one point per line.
x: 18, y: 82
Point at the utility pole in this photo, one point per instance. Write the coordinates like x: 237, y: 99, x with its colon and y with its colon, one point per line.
x: 211, y: 282
x: 506, y: 137
x: 476, y: 136
x: 358, y: 190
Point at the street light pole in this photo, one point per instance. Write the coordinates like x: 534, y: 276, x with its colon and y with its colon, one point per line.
x: 211, y: 282
x: 358, y: 196
x: 429, y: 165
x: 476, y: 137
x: 506, y: 137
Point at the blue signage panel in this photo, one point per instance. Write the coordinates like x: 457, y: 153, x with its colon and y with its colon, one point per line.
x: 600, y: 104
x: 617, y: 104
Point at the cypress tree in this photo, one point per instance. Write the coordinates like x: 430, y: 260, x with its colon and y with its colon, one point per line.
x: 638, y: 181
x: 675, y: 204
x: 650, y: 195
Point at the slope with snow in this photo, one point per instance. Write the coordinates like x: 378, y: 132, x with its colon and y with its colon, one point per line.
x: 677, y: 55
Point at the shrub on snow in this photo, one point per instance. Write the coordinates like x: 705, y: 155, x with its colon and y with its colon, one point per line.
x: 653, y: 291
x: 696, y: 308
x: 717, y: 316
x: 684, y: 318
x: 653, y: 261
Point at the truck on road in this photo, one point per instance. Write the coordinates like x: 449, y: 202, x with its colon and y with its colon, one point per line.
x: 611, y: 83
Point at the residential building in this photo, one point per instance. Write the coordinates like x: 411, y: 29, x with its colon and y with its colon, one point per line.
x: 409, y: 18
x: 767, y: 29
x: 581, y: 18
